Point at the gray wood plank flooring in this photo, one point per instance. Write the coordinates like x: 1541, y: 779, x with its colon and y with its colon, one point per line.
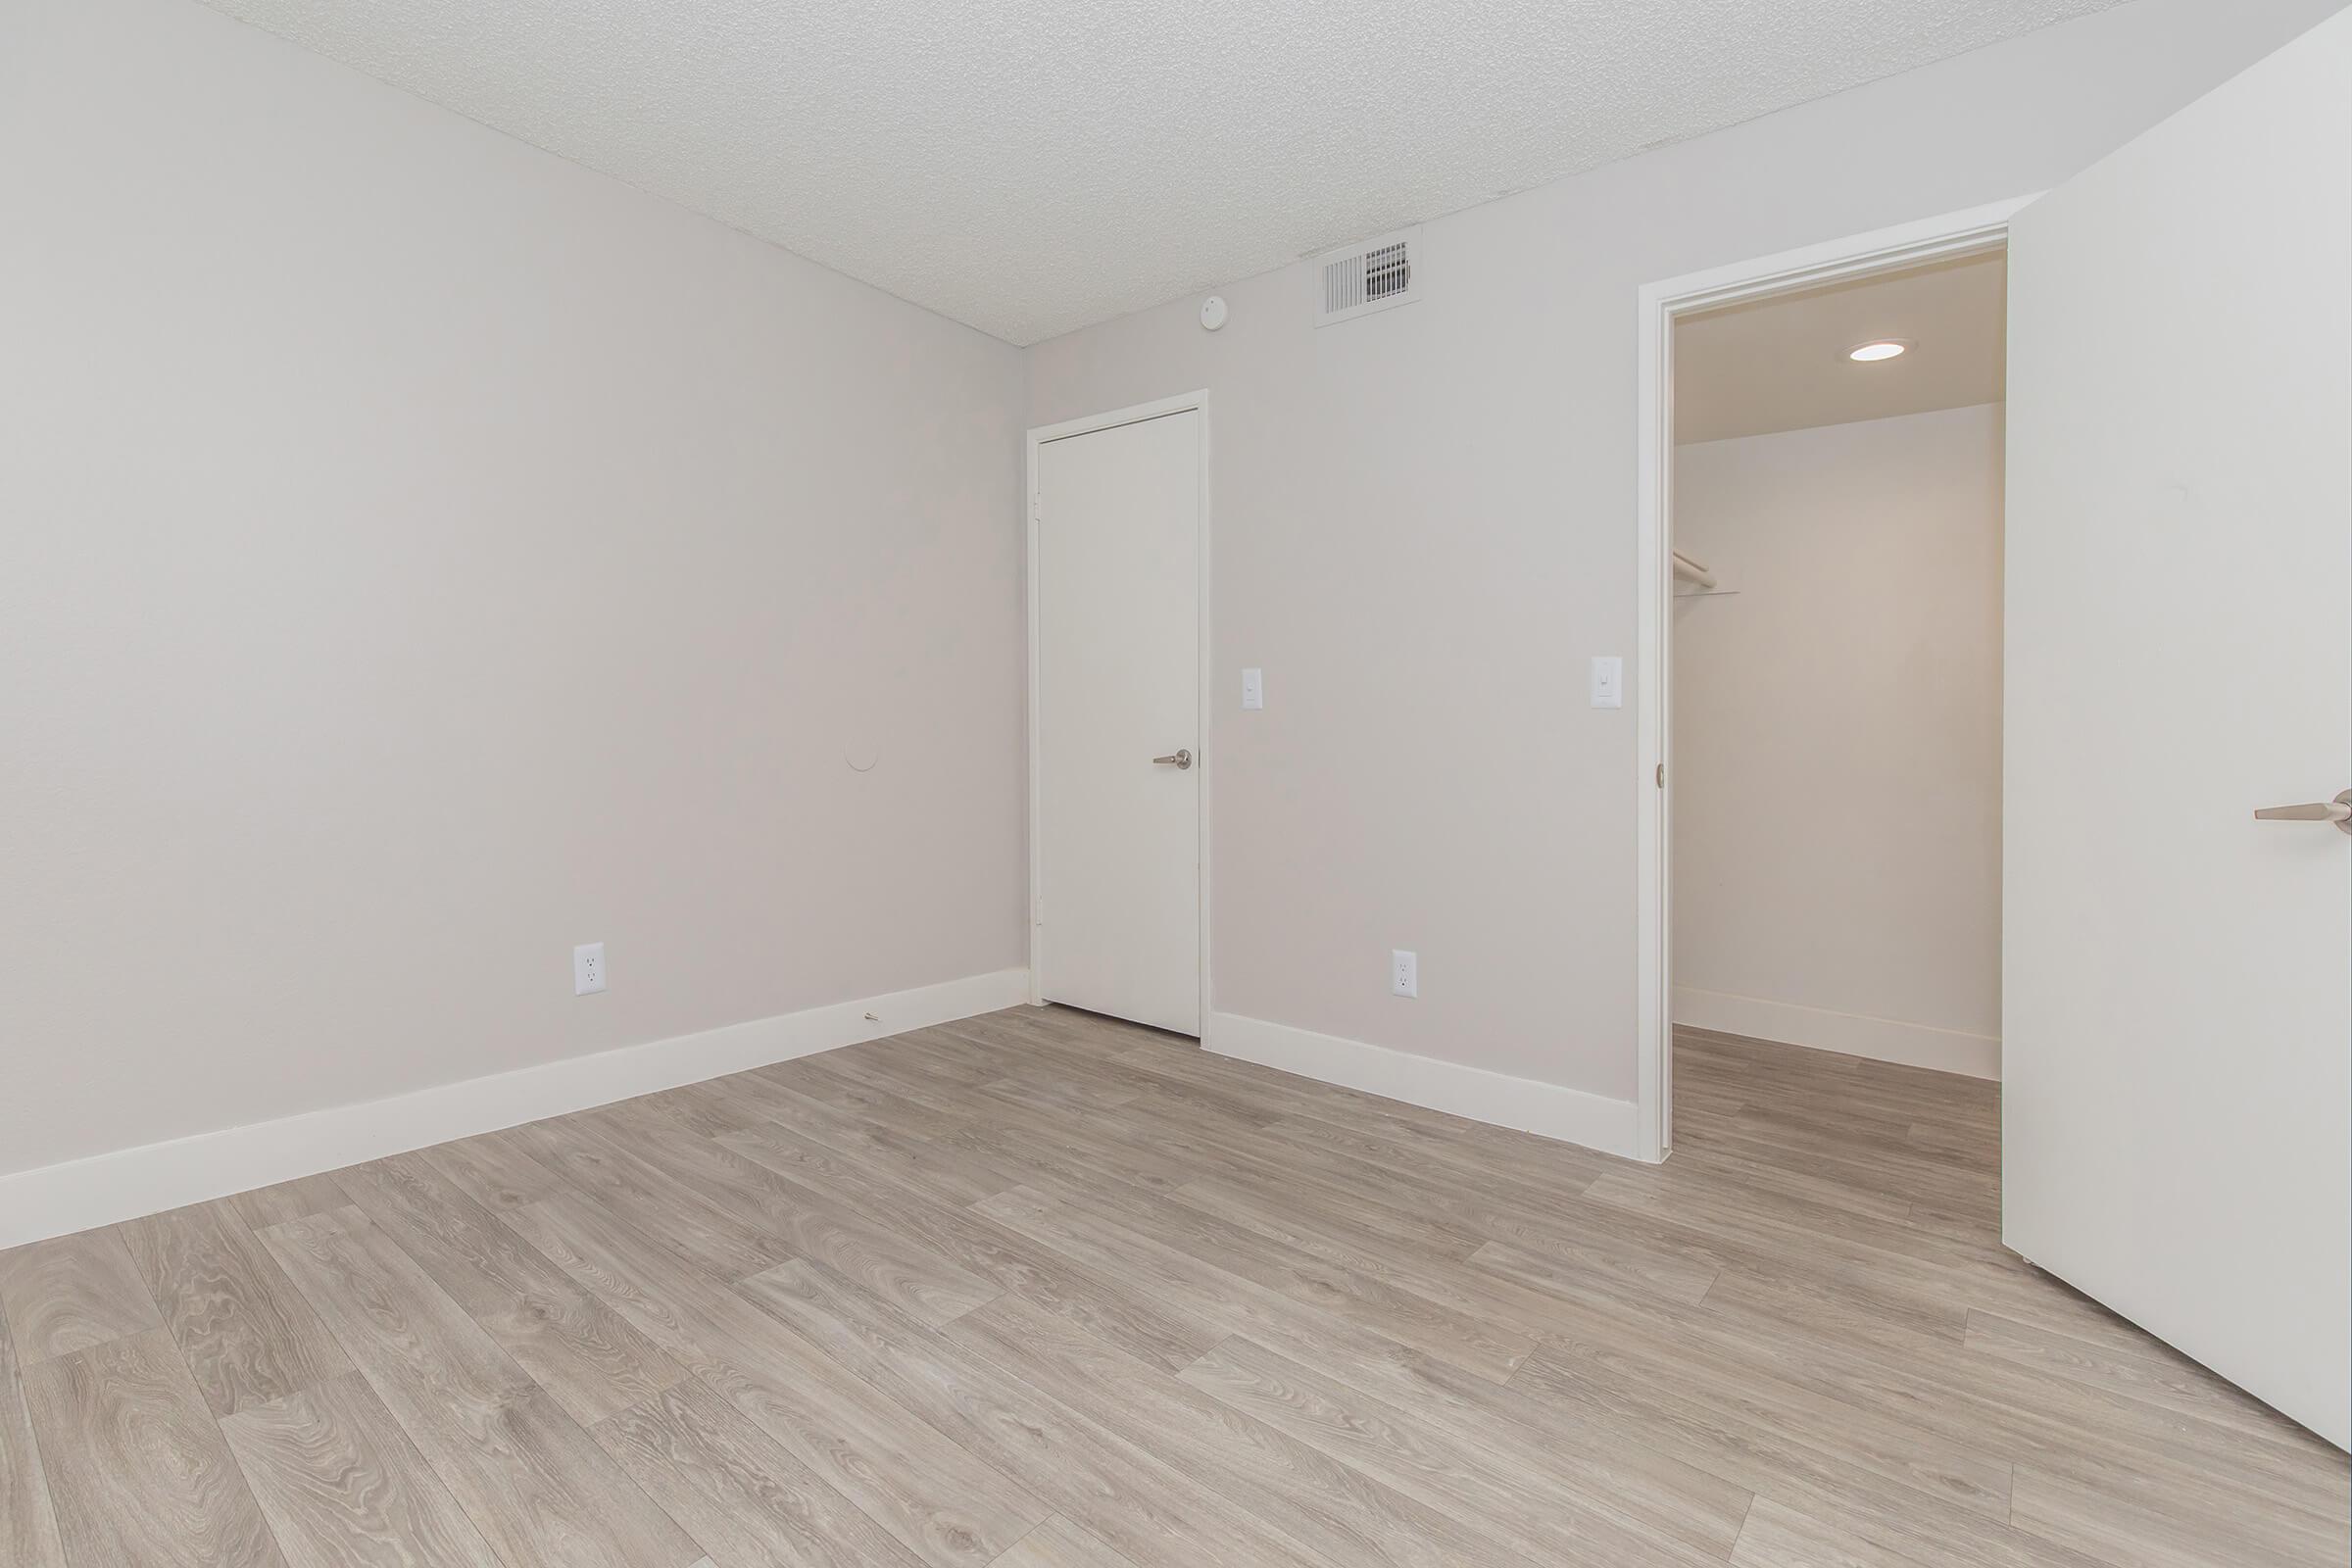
x: 27, y: 1525
x: 1039, y: 1290
x: 137, y: 1467
x: 341, y: 1484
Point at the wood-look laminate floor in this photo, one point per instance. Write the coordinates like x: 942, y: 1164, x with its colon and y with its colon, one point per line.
x: 1044, y: 1290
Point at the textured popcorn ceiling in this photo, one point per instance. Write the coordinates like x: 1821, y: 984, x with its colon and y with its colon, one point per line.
x: 1033, y: 166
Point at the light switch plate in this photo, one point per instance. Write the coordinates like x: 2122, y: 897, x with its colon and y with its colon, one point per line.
x: 1608, y: 681
x: 1254, y: 688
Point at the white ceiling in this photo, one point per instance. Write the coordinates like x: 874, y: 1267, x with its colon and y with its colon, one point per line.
x: 1780, y: 364
x: 1029, y: 166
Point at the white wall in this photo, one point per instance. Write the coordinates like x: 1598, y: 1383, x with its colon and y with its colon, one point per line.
x: 417, y: 554
x: 1837, y: 739
x: 1424, y: 528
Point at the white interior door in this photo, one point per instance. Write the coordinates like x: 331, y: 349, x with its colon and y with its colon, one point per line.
x: 1118, y: 673
x: 2177, y: 976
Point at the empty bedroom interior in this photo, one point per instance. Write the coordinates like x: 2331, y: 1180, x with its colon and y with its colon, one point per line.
x: 930, y: 785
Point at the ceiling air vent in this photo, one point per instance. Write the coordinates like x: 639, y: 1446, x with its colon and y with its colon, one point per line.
x: 1370, y: 276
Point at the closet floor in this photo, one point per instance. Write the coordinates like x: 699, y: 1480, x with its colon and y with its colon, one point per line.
x: 1042, y: 1290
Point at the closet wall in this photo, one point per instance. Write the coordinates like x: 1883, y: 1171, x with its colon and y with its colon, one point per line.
x: 1837, y: 739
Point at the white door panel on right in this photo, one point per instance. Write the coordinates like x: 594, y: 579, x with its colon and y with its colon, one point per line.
x: 2177, y: 976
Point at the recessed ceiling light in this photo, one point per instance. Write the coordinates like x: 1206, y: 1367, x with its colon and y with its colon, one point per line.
x: 1884, y: 348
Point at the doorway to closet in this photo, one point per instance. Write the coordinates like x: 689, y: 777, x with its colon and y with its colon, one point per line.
x: 1835, y: 647
x: 1833, y: 797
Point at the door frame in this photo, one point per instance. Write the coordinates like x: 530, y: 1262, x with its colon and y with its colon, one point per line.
x: 1966, y: 232
x: 1204, y: 751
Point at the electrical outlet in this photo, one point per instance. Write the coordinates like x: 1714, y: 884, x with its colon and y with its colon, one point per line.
x: 1404, y: 974
x: 587, y: 968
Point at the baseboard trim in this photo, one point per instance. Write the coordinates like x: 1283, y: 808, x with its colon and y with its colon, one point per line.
x: 1908, y: 1045
x: 1553, y: 1110
x: 103, y: 1189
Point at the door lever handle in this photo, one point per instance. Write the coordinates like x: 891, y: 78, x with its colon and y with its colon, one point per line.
x: 2337, y: 810
x: 1179, y: 759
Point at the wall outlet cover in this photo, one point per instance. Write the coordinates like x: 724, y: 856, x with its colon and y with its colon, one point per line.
x: 587, y: 968
x: 1404, y: 974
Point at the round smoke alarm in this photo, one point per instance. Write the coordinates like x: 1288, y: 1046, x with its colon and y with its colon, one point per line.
x: 1212, y: 312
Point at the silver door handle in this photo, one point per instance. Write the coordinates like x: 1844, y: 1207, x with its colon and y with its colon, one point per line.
x: 1180, y: 760
x: 2337, y: 810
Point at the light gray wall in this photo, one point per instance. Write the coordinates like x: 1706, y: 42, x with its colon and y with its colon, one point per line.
x: 1424, y: 528
x: 417, y: 554
x: 1838, y: 738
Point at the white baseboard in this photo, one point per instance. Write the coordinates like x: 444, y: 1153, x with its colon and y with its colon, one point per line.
x: 103, y: 1189
x: 1553, y: 1110
x: 1908, y: 1045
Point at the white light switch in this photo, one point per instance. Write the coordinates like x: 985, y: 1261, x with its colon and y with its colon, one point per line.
x: 1254, y: 688
x: 1608, y: 681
